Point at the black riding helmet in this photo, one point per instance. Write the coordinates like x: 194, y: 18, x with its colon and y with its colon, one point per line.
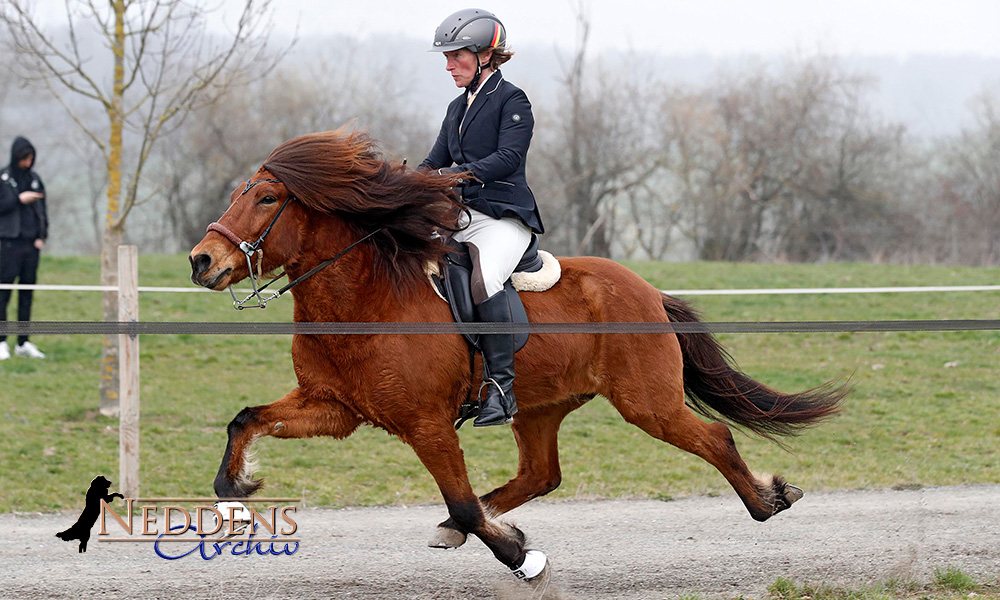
x: 471, y: 28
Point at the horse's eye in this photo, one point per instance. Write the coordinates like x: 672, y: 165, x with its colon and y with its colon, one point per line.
x: 268, y: 200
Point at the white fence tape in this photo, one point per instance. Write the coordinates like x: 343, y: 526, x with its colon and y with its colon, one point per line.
x: 872, y: 290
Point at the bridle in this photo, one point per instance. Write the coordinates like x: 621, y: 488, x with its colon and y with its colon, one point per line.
x: 254, y: 250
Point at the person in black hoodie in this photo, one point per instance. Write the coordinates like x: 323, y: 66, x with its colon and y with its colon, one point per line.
x: 23, y: 231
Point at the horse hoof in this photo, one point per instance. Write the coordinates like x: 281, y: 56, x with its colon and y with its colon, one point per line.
x: 786, y: 495
x: 446, y: 537
x: 793, y: 494
x: 534, y: 569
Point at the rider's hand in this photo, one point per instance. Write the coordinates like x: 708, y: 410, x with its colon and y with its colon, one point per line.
x: 452, y: 171
x: 29, y: 197
x: 39, y: 243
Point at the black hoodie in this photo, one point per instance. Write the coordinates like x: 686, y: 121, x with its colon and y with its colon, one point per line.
x: 17, y: 220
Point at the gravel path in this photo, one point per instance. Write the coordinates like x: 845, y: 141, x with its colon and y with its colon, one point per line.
x: 607, y: 549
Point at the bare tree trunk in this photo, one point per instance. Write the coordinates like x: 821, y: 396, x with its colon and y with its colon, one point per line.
x: 113, y: 225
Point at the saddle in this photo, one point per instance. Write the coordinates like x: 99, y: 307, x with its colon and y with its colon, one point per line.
x: 537, y: 271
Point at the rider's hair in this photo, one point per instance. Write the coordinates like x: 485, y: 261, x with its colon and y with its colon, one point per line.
x: 500, y: 56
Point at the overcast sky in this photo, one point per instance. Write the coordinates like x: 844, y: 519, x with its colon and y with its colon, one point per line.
x: 931, y: 95
x: 717, y: 27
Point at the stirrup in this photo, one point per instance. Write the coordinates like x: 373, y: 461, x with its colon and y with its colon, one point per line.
x: 486, y: 382
x: 508, y: 416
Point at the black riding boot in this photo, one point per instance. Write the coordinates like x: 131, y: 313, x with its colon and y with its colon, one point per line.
x: 498, y: 363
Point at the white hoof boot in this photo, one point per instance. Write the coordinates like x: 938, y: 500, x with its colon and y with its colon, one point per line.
x: 533, y: 565
x: 237, y: 512
x: 447, y: 538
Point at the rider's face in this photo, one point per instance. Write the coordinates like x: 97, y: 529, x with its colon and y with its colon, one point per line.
x: 462, y: 66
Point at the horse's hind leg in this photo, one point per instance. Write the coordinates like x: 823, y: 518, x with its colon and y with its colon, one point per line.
x: 536, y: 431
x: 293, y: 416
x: 661, y: 413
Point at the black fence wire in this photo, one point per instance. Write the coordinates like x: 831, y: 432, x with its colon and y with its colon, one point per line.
x: 298, y: 328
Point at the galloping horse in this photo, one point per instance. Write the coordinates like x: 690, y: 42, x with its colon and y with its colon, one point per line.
x: 319, y: 194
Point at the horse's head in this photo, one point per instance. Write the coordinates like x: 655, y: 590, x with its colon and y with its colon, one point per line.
x: 350, y: 197
x: 234, y: 247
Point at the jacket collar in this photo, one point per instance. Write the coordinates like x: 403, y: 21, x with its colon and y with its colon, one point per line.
x: 491, y: 85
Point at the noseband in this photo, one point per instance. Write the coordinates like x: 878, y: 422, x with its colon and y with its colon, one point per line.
x: 254, y: 251
x: 248, y: 248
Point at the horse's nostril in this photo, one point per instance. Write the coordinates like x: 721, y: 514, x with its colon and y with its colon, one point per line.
x: 200, y: 263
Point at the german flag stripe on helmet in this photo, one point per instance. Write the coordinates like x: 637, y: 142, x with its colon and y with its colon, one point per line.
x: 496, y: 35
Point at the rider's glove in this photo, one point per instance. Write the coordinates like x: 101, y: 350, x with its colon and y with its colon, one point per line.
x: 453, y: 171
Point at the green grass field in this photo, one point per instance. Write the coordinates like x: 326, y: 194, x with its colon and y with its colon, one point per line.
x: 948, y: 584
x: 925, y: 408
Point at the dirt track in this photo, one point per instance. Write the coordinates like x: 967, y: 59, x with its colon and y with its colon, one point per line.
x: 611, y: 549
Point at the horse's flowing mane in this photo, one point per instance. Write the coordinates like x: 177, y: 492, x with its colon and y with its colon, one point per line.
x: 342, y: 172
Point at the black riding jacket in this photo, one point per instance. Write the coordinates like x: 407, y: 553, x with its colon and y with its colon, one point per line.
x: 493, y: 144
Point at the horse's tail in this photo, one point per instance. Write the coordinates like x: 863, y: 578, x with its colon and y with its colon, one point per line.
x: 717, y: 389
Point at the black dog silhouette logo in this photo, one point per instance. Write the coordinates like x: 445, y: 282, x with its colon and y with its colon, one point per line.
x: 233, y: 524
x: 81, y: 529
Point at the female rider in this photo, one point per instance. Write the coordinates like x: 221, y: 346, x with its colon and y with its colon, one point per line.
x: 486, y: 133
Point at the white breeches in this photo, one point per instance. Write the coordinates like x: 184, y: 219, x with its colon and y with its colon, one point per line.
x: 496, y: 246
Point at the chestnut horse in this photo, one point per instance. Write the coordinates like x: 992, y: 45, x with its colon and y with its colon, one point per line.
x: 318, y: 194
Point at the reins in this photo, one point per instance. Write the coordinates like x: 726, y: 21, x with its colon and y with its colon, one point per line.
x: 254, y: 250
x: 326, y: 263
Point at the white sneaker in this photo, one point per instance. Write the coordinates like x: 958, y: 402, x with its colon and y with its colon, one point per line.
x: 4, y: 351
x: 28, y: 350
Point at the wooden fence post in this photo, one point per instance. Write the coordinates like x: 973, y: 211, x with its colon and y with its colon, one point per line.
x: 128, y: 373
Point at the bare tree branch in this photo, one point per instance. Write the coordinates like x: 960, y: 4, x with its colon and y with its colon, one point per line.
x: 164, y: 65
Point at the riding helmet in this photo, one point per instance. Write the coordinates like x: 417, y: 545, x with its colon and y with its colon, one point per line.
x: 471, y: 28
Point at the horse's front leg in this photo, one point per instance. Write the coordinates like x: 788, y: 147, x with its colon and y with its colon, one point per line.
x: 536, y: 431
x: 437, y: 447
x: 294, y: 416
